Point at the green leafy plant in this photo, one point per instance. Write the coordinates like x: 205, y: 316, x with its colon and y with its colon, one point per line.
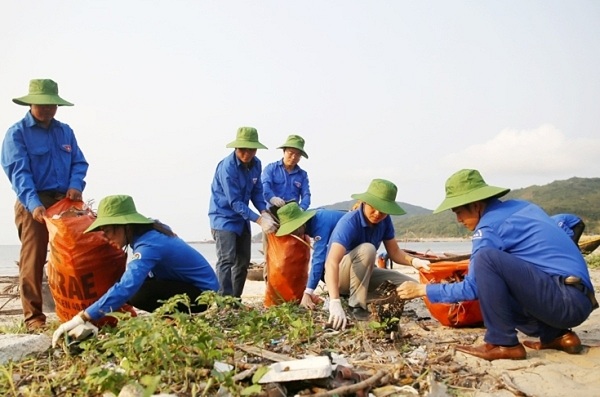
x: 593, y: 261
x: 166, y: 351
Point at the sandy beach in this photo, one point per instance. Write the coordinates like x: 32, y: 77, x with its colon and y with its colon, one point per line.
x: 546, y: 373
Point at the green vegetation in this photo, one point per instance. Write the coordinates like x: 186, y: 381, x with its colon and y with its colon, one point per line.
x: 176, y: 353
x: 593, y: 261
x: 578, y: 196
x: 170, y: 352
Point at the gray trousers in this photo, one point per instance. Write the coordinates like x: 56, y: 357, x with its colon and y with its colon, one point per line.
x: 359, y: 277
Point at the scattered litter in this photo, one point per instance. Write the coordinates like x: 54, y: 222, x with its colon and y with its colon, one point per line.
x: 222, y: 367
x: 417, y: 356
x: 307, y: 368
x: 392, y: 390
x: 83, y: 331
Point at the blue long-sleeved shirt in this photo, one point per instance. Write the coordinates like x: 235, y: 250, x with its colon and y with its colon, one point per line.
x: 278, y: 182
x: 319, y: 227
x: 233, y: 187
x: 566, y: 222
x: 166, y: 258
x: 37, y: 159
x: 524, y: 230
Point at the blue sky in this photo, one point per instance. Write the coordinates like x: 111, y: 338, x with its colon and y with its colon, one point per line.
x: 407, y: 91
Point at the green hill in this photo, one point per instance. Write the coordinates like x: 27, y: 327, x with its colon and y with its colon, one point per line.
x: 578, y: 196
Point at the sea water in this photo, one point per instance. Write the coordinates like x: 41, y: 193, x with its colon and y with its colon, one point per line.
x: 9, y: 254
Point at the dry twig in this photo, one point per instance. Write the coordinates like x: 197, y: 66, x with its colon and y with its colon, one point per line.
x: 351, y: 389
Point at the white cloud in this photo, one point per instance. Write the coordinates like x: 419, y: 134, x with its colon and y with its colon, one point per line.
x: 530, y: 154
x: 385, y: 90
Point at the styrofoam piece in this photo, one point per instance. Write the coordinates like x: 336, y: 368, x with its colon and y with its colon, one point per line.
x: 306, y: 368
x: 83, y: 331
x: 222, y: 367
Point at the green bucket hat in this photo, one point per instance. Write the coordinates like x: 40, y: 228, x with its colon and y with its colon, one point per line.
x: 117, y: 210
x: 291, y: 217
x: 296, y: 142
x: 381, y: 195
x: 246, y: 138
x: 42, y: 92
x: 467, y: 186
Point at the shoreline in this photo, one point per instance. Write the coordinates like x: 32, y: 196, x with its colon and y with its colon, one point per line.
x: 434, y: 240
x: 400, y: 240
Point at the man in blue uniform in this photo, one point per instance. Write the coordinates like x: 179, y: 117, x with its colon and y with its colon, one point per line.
x: 237, y: 182
x: 317, y: 224
x: 162, y: 265
x: 526, y: 273
x: 44, y: 164
x: 284, y: 180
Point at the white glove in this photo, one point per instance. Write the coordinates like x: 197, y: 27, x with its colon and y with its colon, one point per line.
x: 420, y: 264
x: 337, y: 317
x: 66, y: 327
x: 267, y: 223
x: 277, y: 201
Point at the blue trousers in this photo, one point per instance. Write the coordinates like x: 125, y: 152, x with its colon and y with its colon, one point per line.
x: 233, y: 260
x: 516, y: 295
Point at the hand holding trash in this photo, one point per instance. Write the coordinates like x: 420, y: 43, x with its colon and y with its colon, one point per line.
x: 337, y: 316
x: 277, y: 201
x: 74, y: 195
x: 267, y: 223
x: 71, y: 327
x: 410, y: 290
x: 420, y: 264
x: 309, y: 299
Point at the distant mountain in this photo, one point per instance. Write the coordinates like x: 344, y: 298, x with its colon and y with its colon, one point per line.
x: 410, y: 209
x: 580, y: 196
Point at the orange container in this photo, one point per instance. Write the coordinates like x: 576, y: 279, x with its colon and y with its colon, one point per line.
x: 459, y: 314
x: 81, y: 267
x: 287, y: 268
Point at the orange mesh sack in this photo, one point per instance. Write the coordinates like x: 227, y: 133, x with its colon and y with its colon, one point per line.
x: 81, y: 267
x: 287, y: 260
x: 460, y: 314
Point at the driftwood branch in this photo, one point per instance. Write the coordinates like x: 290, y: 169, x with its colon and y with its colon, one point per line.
x: 351, y: 389
x: 245, y: 374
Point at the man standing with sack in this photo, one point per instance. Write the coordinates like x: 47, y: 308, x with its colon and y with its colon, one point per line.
x: 44, y: 164
x: 237, y: 182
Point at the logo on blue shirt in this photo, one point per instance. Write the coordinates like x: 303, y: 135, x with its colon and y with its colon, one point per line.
x: 477, y: 235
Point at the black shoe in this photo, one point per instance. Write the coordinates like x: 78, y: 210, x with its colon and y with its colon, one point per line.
x: 359, y: 313
x: 236, y: 304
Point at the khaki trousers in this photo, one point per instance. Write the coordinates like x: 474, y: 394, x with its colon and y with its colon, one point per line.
x: 34, y: 250
x: 359, y: 276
